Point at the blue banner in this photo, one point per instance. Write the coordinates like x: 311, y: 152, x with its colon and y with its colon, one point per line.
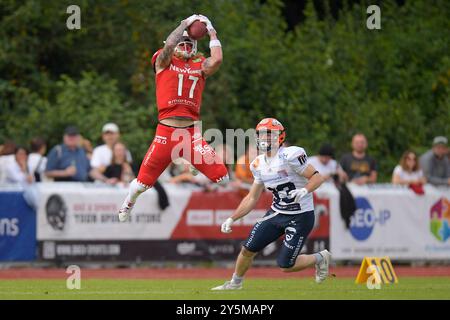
x: 17, y: 228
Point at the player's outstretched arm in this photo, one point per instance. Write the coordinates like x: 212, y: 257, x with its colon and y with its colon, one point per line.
x: 246, y: 205
x: 315, y: 179
x: 164, y: 58
x: 212, y: 64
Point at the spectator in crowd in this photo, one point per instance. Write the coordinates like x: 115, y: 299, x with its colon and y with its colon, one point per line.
x: 37, y: 161
x: 119, y: 169
x: 17, y: 171
x: 102, y: 155
x: 87, y: 146
x: 68, y: 161
x: 408, y: 171
x: 328, y: 167
x: 436, y: 164
x: 6, y: 157
x: 359, y: 167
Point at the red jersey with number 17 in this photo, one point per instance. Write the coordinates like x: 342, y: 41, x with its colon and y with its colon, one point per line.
x: 179, y: 88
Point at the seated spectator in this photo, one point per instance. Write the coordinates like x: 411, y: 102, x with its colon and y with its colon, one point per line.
x: 324, y: 163
x: 17, y: 170
x: 36, y: 159
x: 68, y: 161
x: 436, y: 164
x: 6, y: 157
x: 408, y: 171
x: 359, y: 167
x: 119, y: 171
x: 102, y: 155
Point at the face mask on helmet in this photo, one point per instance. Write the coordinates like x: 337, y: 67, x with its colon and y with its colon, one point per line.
x: 187, y: 47
x: 267, y: 140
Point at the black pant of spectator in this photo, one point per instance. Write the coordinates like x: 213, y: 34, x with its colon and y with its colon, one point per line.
x: 163, y: 200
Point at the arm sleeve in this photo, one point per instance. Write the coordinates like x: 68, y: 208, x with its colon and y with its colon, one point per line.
x: 256, y: 174
x: 297, y: 159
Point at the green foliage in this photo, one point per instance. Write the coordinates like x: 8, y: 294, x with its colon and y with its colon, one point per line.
x: 325, y: 80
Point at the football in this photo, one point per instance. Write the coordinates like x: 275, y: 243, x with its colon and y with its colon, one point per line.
x: 197, y: 30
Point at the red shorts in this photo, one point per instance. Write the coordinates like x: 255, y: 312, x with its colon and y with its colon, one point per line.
x: 171, y: 143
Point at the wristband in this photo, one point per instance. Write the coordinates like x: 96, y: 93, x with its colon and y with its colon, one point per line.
x: 214, y: 43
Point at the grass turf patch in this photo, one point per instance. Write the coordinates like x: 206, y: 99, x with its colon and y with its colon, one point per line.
x: 191, y: 289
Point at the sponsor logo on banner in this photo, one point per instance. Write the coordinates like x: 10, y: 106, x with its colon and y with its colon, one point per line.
x: 365, y: 219
x: 56, y: 211
x: 185, y: 248
x: 221, y: 249
x: 440, y: 219
x: 9, y: 227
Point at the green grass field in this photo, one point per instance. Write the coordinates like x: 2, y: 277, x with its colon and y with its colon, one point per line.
x: 334, y: 288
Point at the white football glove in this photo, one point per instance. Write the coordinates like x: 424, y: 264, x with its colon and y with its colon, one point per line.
x: 298, y: 194
x: 226, y: 226
x: 191, y: 19
x: 206, y: 21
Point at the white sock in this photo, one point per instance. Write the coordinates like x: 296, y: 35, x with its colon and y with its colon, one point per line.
x: 236, y: 279
x: 136, y: 188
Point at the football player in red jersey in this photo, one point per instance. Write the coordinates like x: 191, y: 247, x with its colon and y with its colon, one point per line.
x: 180, y: 80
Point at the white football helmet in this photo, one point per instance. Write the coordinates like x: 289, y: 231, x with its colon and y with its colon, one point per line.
x: 187, y: 47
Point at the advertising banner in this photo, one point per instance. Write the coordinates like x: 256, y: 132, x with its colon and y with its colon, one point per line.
x: 394, y: 222
x: 17, y: 228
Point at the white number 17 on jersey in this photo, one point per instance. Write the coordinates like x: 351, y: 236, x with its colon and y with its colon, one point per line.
x: 180, y: 85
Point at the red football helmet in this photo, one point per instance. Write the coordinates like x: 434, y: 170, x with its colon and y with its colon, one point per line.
x: 269, y: 126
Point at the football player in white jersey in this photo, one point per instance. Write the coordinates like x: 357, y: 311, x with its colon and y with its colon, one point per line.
x: 286, y: 173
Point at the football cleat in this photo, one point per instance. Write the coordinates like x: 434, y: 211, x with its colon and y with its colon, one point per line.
x: 125, y: 212
x: 229, y: 285
x: 322, y: 268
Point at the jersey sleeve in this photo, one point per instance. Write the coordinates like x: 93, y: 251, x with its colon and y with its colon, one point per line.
x: 297, y: 159
x: 256, y: 173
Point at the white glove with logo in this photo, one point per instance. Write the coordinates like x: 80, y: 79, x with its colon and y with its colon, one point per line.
x: 298, y: 194
x: 191, y: 19
x: 206, y: 21
x: 226, y: 226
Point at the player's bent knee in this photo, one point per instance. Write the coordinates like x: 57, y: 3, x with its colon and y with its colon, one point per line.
x: 246, y: 253
x: 285, y: 266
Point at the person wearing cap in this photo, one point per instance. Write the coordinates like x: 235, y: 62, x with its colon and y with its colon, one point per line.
x: 324, y: 163
x: 436, y: 164
x: 102, y: 155
x: 68, y: 161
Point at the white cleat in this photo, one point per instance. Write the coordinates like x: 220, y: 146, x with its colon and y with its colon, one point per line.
x: 228, y: 286
x: 124, y: 213
x: 322, y: 268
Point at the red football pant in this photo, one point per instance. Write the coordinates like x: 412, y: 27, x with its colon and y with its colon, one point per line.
x: 171, y: 143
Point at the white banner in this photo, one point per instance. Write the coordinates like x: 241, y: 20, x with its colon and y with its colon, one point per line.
x: 394, y: 221
x: 74, y: 211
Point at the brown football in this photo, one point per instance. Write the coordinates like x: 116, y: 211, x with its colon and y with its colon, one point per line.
x: 197, y: 30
